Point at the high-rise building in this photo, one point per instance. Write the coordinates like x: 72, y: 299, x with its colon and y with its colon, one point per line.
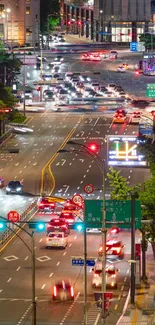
x: 20, y: 21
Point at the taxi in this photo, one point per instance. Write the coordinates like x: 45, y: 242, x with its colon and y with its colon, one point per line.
x: 135, y: 118
x: 119, y: 118
x: 57, y: 239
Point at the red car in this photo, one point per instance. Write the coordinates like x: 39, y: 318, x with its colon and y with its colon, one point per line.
x: 59, y: 225
x: 69, y: 217
x: 63, y: 290
x: 113, y: 248
x: 46, y: 204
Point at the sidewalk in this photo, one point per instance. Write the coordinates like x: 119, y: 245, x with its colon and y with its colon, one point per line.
x: 74, y: 38
x: 144, y: 310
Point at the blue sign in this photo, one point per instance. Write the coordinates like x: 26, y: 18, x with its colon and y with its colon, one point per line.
x: 104, y: 33
x: 80, y: 262
x: 143, y: 131
x: 134, y: 46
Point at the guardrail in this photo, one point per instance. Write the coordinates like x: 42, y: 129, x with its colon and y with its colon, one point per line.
x: 12, y: 230
x: 5, y: 136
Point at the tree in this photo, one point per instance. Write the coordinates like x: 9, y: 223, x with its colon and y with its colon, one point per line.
x: 148, y: 39
x: 147, y: 148
x: 120, y: 186
x: 53, y: 22
x: 9, y: 66
x: 7, y: 97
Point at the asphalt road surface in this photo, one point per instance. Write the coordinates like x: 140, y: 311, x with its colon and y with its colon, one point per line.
x: 71, y: 172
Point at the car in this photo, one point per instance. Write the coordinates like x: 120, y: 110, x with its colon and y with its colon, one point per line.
x: 95, y: 57
x: 111, y: 86
x: 113, y: 232
x: 47, y: 76
x: 125, y: 66
x: 63, y: 290
x: 14, y: 187
x: 48, y: 94
x: 108, y: 94
x: 86, y: 57
x: 56, y: 239
x: 46, y: 204
x: 1, y: 182
x: 113, y: 248
x: 121, y: 69
x: 135, y: 118
x: 55, y: 69
x: 119, y: 117
x: 113, y: 54
x: 43, y: 58
x: 111, y: 276
x: 70, y: 207
x: 69, y: 217
x: 58, y: 225
x: 59, y: 58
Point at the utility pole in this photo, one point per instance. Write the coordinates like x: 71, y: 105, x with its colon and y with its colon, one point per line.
x: 132, y: 293
x: 144, y: 248
x: 103, y: 316
x: 24, y: 82
x: 85, y: 271
x: 34, y: 318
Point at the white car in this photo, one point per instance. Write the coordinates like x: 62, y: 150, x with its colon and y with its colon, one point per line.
x: 135, y: 118
x: 59, y: 239
x: 121, y: 69
x: 111, y: 276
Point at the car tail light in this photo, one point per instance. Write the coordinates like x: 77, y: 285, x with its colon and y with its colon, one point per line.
x: 41, y: 204
x: 72, y: 292
x: 137, y: 72
x: 52, y: 204
x: 64, y: 226
x: 70, y: 220
x: 48, y: 226
x: 55, y: 291
x: 114, y: 231
x: 100, y: 249
x: 96, y: 275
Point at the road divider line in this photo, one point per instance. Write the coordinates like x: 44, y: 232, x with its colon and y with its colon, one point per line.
x: 58, y: 263
x: 116, y: 306
x: 51, y: 160
x: 18, y: 268
x: 25, y: 259
x: 70, y: 245
x: 44, y: 285
x: 125, y: 279
x: 122, y: 288
x: 9, y: 279
x: 97, y: 319
x: 1, y: 290
x: 50, y: 275
x: 64, y: 253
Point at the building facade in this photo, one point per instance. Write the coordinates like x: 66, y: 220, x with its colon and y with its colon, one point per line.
x: 20, y: 21
x: 113, y: 20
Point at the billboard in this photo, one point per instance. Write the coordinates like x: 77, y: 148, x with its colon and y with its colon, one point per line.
x: 123, y: 151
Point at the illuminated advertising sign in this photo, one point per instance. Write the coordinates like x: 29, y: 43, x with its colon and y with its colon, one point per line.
x: 123, y: 151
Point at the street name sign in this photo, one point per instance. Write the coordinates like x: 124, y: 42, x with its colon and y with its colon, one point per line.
x: 79, y: 261
x: 134, y: 46
x: 117, y: 213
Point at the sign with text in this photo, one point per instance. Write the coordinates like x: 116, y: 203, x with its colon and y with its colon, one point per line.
x: 117, y: 213
x: 13, y: 216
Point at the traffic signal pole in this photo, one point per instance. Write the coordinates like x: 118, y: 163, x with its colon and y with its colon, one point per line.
x: 34, y: 312
x: 132, y: 292
x: 103, y: 316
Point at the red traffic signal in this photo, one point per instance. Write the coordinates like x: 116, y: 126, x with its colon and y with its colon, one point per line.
x: 79, y: 22
x: 69, y: 22
x: 93, y: 147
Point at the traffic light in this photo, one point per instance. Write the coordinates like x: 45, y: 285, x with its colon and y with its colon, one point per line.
x: 79, y: 22
x: 38, y: 226
x: 94, y: 147
x: 79, y: 226
x: 69, y: 23
x: 2, y: 225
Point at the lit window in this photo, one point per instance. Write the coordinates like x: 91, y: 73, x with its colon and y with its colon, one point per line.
x: 36, y: 19
x: 28, y: 31
x: 27, y: 10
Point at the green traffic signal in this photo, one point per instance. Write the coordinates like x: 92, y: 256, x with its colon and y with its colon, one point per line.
x: 2, y: 225
x: 38, y: 226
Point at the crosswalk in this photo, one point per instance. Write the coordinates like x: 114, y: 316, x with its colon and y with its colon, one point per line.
x: 93, y: 316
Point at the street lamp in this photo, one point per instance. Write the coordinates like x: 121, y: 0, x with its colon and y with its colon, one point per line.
x: 91, y: 150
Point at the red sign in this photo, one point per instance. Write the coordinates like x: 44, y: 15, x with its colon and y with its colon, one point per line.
x: 77, y: 199
x: 107, y: 297
x: 88, y: 188
x: 13, y: 216
x: 137, y: 251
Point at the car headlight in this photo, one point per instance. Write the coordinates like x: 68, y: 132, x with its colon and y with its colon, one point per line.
x: 18, y: 189
x: 8, y: 189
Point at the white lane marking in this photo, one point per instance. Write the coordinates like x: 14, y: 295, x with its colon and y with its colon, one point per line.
x: 40, y: 240
x: 69, y: 309
x: 125, y: 279
x: 64, y: 253
x: 50, y: 275
x: 26, y: 258
x: 122, y: 288
x: 84, y: 176
x: 127, y: 271
x: 58, y: 263
x: 75, y: 237
x: 18, y: 268
x: 1, y: 290
x: 9, y: 279
x: 66, y: 189
x: 70, y: 245
x: 81, y: 182
x: 44, y: 285
x: 125, y: 308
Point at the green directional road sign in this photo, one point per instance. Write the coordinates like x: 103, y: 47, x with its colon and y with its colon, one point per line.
x: 117, y: 213
x: 150, y: 91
